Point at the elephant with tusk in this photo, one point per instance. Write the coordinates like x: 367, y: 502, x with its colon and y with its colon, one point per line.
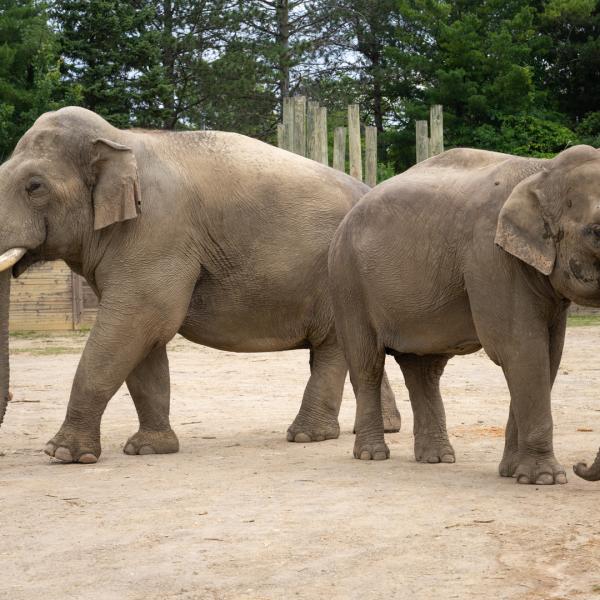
x: 214, y: 235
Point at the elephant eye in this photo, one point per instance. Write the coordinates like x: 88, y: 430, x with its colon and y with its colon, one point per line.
x: 34, y: 185
x: 593, y: 229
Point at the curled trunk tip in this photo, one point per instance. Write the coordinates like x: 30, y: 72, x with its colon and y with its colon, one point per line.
x: 591, y: 473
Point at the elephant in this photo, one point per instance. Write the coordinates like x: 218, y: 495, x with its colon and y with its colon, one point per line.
x: 465, y: 250
x: 213, y: 235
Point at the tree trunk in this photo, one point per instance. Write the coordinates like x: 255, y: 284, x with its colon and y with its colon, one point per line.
x: 282, y: 11
x: 4, y: 302
x: 591, y: 473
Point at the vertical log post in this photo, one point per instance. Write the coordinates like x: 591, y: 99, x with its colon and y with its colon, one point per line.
x: 312, y: 130
x: 323, y: 140
x: 280, y: 135
x: 422, y: 134
x: 300, y: 125
x: 354, y: 141
x: 339, y: 149
x: 371, y: 156
x: 288, y: 123
x: 436, y: 118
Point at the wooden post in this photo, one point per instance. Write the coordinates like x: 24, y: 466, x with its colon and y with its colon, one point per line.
x: 280, y: 135
x: 288, y: 123
x: 77, y: 299
x: 371, y: 156
x: 312, y: 130
x: 300, y: 125
x: 436, y: 116
x: 422, y: 141
x: 323, y: 141
x: 339, y: 149
x: 354, y: 141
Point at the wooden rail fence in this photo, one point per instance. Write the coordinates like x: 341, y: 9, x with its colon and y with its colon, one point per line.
x: 430, y: 145
x: 304, y: 131
x: 50, y: 297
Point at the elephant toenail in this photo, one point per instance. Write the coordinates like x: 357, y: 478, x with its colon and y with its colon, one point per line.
x: 433, y: 459
x: 302, y: 437
x: 545, y: 479
x: 448, y: 458
x: 380, y: 456
x: 523, y: 479
x: 129, y: 449
x: 63, y: 454
x: 146, y: 450
x: 561, y: 478
x: 365, y: 455
x: 87, y: 459
x: 49, y: 449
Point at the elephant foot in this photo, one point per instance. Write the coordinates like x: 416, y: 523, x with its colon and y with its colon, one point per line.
x: 370, y: 449
x: 433, y: 448
x: 152, y: 442
x: 509, y: 463
x: 313, y: 429
x: 72, y: 446
x: 539, y: 471
x: 392, y: 421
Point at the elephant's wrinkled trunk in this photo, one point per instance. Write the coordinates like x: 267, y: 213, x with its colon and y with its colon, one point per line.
x: 591, y: 473
x: 4, y: 305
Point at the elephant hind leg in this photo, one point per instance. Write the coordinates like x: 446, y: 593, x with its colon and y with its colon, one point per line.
x: 149, y: 387
x: 422, y: 377
x: 317, y: 419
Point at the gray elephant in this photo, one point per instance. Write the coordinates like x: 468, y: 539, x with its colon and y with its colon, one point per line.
x: 468, y: 249
x: 217, y: 236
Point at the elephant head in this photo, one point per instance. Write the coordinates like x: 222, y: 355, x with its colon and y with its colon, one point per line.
x: 69, y: 177
x: 551, y: 221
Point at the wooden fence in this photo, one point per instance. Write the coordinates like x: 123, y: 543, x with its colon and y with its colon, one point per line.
x: 304, y: 131
x: 430, y: 136
x: 50, y: 297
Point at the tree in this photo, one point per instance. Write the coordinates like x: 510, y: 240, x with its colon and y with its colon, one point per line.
x: 29, y: 77
x: 568, y: 55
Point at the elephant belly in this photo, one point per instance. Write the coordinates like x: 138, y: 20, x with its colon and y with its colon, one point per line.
x: 238, y: 319
x: 447, y: 330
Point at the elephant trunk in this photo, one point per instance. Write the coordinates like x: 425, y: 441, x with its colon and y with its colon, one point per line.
x: 591, y: 473
x: 4, y: 304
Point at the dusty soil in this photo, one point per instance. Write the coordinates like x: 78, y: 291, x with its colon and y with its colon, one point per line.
x: 240, y: 513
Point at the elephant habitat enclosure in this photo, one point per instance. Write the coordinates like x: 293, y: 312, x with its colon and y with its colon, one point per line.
x: 240, y: 513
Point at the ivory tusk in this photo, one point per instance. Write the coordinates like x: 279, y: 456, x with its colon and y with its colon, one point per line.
x: 10, y: 257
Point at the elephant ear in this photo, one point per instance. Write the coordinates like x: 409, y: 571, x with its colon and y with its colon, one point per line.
x: 116, y: 192
x: 524, y: 229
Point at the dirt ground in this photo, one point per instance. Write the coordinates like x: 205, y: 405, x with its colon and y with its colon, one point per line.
x: 240, y: 513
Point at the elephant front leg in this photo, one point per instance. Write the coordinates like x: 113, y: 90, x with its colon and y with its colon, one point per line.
x: 528, y: 374
x: 510, y: 458
x: 119, y: 341
x: 150, y: 389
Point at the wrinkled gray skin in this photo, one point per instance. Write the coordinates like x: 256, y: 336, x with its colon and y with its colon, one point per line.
x: 214, y: 235
x: 468, y: 249
x: 4, y: 300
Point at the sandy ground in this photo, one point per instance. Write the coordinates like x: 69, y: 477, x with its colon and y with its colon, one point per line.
x: 240, y: 513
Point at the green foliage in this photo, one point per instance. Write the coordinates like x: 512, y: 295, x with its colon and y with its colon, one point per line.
x: 29, y: 69
x: 589, y: 129
x: 515, y: 76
